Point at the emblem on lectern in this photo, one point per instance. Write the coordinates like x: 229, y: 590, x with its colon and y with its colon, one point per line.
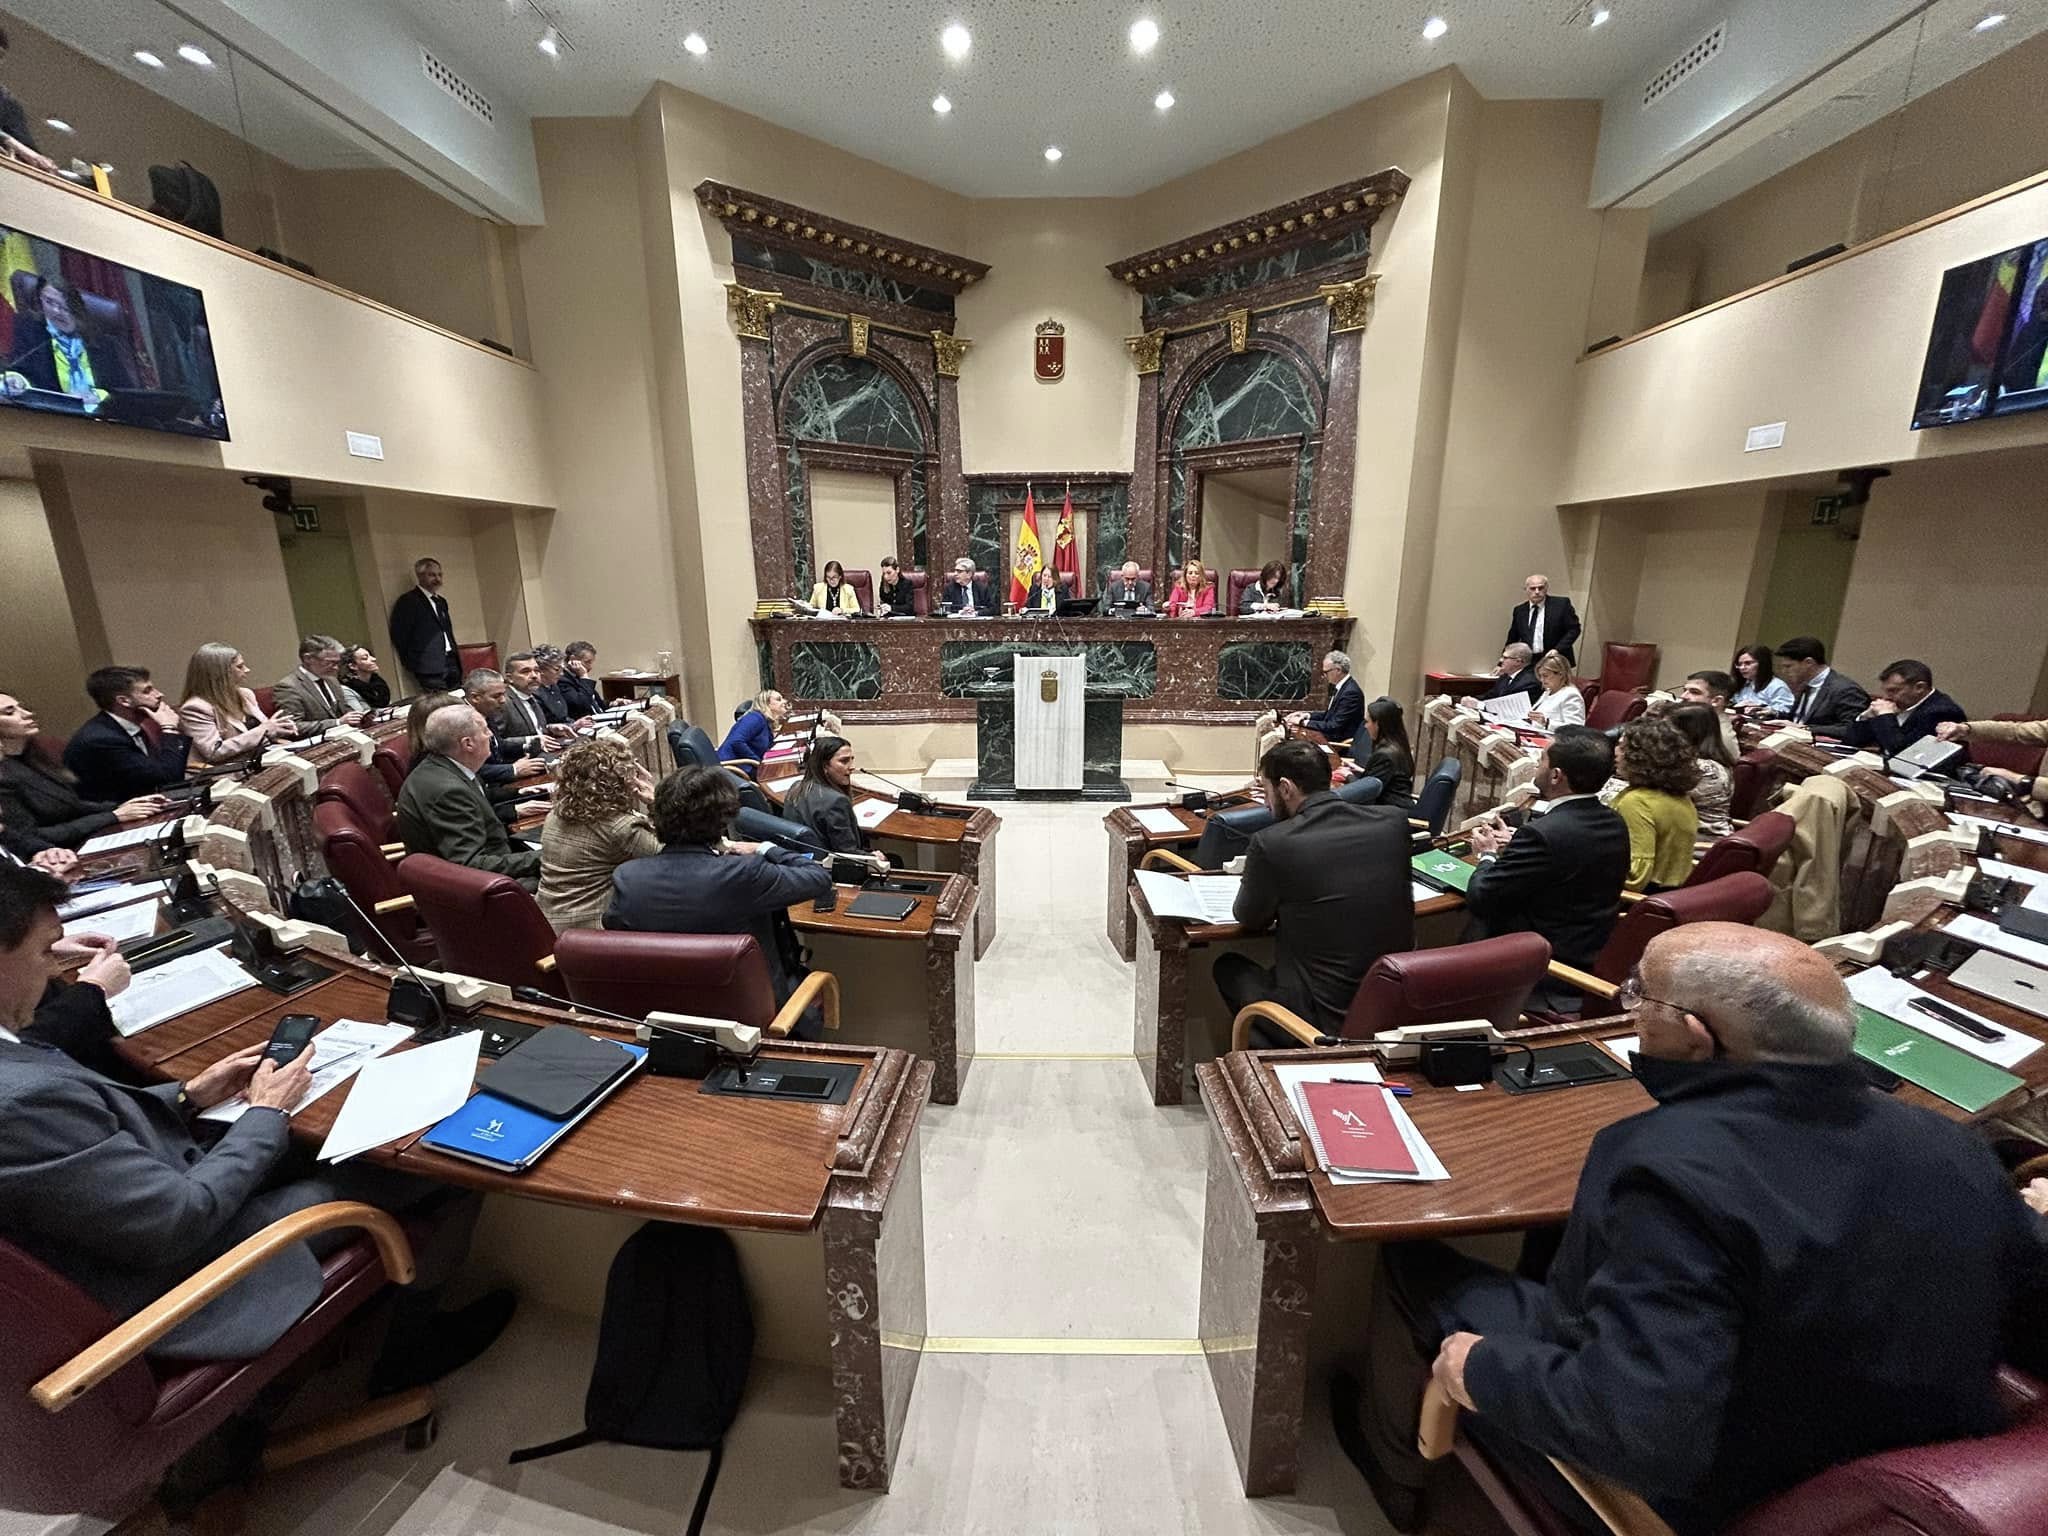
x: 1049, y: 686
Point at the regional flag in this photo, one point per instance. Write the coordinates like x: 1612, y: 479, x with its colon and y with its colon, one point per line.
x: 1066, y: 550
x: 1024, y: 570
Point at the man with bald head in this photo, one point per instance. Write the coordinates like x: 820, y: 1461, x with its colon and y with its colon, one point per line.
x: 1542, y: 622
x: 1774, y: 1270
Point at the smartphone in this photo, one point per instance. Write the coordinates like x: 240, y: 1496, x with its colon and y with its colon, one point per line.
x: 829, y: 902
x: 288, y: 1042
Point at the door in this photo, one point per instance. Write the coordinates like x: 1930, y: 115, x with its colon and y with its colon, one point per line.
x: 1809, y: 578
x: 320, y: 571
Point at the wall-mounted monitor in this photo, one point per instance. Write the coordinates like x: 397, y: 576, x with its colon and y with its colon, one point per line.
x: 91, y: 338
x: 1988, y: 354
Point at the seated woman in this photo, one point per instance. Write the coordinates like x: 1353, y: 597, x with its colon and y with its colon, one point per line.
x: 1656, y: 763
x: 597, y: 822
x: 1700, y: 725
x: 1758, y: 686
x: 1270, y: 593
x: 752, y: 735
x: 1046, y: 592
x: 220, y: 719
x: 823, y: 798
x: 65, y: 359
x: 832, y: 594
x: 361, y: 671
x: 894, y: 594
x: 1194, y: 595
x: 39, y: 802
x: 1560, y: 702
x: 1391, y: 759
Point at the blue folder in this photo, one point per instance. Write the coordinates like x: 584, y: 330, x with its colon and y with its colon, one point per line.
x: 502, y: 1135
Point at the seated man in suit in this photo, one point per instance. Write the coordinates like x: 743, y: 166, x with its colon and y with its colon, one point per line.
x: 1559, y: 874
x: 486, y: 692
x: 1124, y: 590
x: 1335, y: 878
x: 1515, y: 672
x: 1823, y: 700
x: 964, y: 593
x: 1713, y: 689
x: 522, y: 721
x: 132, y: 746
x: 1711, y: 1332
x: 109, y: 1186
x: 1339, y: 720
x: 1908, y: 707
x: 1542, y: 622
x: 578, y: 684
x: 700, y: 884
x: 313, y: 693
x: 443, y: 810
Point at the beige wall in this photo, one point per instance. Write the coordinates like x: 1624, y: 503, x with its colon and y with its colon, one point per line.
x: 853, y: 518
x: 41, y: 657
x: 1700, y: 556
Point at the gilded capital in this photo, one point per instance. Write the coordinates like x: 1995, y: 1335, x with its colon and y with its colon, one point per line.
x: 751, y: 308
x: 1145, y: 350
x: 947, y: 352
x: 857, y: 334
x: 1350, y: 303
x: 1240, y: 328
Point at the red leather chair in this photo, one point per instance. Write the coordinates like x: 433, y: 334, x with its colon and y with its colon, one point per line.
x: 1613, y: 708
x: 1755, y: 848
x: 1737, y: 898
x: 393, y: 760
x: 1625, y: 666
x: 483, y: 654
x: 1234, y: 588
x: 360, y: 863
x: 1489, y: 979
x: 1109, y: 574
x: 90, y: 1425
x: 713, y: 975
x: 1753, y: 774
x: 1589, y: 690
x: 863, y: 584
x: 484, y: 925
x: 266, y: 699
x: 920, y: 599
x: 2014, y: 755
x: 365, y: 793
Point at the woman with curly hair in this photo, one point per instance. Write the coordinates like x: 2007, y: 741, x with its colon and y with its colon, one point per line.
x: 598, y: 821
x: 1654, y: 759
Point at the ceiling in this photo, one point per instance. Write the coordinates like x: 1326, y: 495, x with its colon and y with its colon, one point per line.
x: 862, y: 73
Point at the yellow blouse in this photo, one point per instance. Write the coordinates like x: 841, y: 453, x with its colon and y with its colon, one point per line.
x: 1661, y: 831
x: 848, y: 603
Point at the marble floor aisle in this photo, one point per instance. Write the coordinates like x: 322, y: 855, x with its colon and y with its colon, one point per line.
x: 1065, y: 1391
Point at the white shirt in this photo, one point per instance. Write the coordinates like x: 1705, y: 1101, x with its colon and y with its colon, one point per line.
x: 1536, y: 628
x: 134, y: 731
x: 9, y: 1035
x: 1807, y: 694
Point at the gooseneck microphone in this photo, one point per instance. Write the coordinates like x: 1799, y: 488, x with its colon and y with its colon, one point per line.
x: 419, y: 983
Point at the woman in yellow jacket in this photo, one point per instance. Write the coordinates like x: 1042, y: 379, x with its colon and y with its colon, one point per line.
x: 833, y: 594
x: 1656, y: 762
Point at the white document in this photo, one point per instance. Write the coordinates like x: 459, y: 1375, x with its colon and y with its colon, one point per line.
x: 337, y: 1054
x: 395, y: 1096
x: 127, y: 837
x: 872, y: 813
x: 1512, y: 710
x: 1620, y: 1046
x: 1422, y: 892
x: 121, y: 895
x: 1194, y: 898
x: 1976, y: 930
x: 2029, y: 834
x: 1892, y: 996
x: 118, y: 923
x: 1998, y: 869
x: 1429, y: 1167
x: 177, y: 986
x: 1159, y: 821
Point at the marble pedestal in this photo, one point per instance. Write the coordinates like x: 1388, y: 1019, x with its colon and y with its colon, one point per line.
x: 1102, y: 750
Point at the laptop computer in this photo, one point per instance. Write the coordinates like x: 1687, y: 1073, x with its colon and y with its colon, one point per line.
x: 1928, y: 755
x: 2006, y: 980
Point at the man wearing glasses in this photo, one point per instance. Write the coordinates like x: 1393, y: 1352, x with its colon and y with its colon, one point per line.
x: 1773, y: 1271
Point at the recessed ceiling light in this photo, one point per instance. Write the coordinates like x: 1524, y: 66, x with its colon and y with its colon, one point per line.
x: 1434, y: 28
x: 1144, y: 35
x: 192, y: 53
x: 695, y: 44
x: 1600, y: 17
x: 956, y: 40
x: 1995, y: 19
x: 1163, y: 100
x: 59, y: 124
x: 550, y: 43
x: 941, y: 105
x: 144, y: 56
x: 1052, y: 154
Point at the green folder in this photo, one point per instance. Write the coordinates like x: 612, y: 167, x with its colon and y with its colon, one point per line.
x: 1442, y: 869
x: 1964, y: 1080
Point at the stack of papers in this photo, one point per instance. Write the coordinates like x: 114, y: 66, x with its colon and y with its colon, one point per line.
x: 398, y: 1095
x: 1878, y: 989
x: 337, y: 1054
x: 1506, y: 711
x: 175, y: 987
x: 1159, y: 821
x: 120, y: 924
x: 1192, y: 898
x: 127, y: 837
x: 1429, y: 1168
x: 121, y: 895
x: 1972, y: 929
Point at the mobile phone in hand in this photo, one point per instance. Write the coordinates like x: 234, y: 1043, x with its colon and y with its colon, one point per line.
x: 288, y: 1042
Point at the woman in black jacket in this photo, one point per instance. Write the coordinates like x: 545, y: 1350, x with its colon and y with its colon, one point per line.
x: 1392, y: 760
x: 39, y: 801
x: 822, y: 799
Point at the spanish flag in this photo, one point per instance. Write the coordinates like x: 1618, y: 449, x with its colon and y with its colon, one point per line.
x: 1024, y: 570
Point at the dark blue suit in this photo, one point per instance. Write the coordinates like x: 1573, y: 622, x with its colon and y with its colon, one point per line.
x: 109, y: 765
x: 1340, y: 721
x: 1885, y: 733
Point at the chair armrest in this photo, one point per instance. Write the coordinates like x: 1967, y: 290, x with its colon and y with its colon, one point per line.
x: 1633, y: 896
x: 1295, y: 1025
x: 391, y: 850
x: 1585, y: 981
x: 108, y: 1354
x: 393, y: 904
x: 816, y: 985
x: 1419, y: 826
x: 1166, y: 858
x: 2033, y: 1168
x: 545, y: 963
x: 737, y: 763
x: 1439, y: 1425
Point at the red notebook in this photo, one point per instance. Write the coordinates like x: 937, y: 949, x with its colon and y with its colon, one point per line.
x: 1353, y: 1129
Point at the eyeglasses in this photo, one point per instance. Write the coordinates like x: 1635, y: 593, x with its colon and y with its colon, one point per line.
x: 1630, y: 996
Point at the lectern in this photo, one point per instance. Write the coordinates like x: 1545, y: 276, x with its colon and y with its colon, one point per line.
x: 1041, y: 735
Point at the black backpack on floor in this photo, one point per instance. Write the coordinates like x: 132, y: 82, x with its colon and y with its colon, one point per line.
x: 673, y: 1349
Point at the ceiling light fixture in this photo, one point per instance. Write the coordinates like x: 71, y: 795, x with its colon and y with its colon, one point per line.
x: 695, y: 45
x: 192, y: 53
x: 59, y: 124
x: 956, y: 40
x: 1052, y: 154
x: 1163, y: 100
x: 1995, y: 19
x: 941, y: 105
x: 1144, y: 35
x: 550, y: 43
x: 1600, y: 17
x: 1434, y: 28
x: 144, y: 56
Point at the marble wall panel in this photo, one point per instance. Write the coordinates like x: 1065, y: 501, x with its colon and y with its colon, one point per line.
x: 851, y: 400
x: 797, y: 507
x: 1127, y: 668
x: 836, y: 669
x: 1349, y: 249
x: 1264, y: 669
x: 762, y: 257
x: 1248, y: 395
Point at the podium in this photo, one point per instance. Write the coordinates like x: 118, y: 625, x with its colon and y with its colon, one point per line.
x: 1041, y: 735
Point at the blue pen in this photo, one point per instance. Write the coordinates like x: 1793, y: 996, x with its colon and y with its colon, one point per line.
x: 1398, y: 1090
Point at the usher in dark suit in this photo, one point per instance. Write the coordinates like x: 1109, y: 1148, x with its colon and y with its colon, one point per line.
x: 443, y: 811
x: 423, y: 634
x: 111, y: 764
x: 1560, y: 627
x: 1892, y: 734
x: 1561, y: 876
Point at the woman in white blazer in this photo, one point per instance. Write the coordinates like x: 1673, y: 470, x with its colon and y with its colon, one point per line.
x: 220, y: 718
x: 1560, y: 703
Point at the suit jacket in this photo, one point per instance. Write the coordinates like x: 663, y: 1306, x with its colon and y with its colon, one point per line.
x: 1561, y: 876
x: 1340, y: 721
x: 298, y: 697
x: 689, y: 888
x: 1117, y: 593
x: 1833, y: 706
x: 952, y: 598
x: 1885, y: 733
x: 370, y: 687
x: 73, y: 1017
x: 41, y: 809
x: 751, y: 736
x: 1524, y: 681
x: 1560, y: 627
x: 521, y: 723
x: 39, y: 367
x: 579, y: 695
x: 423, y: 635
x: 1335, y: 878
x: 1391, y: 764
x: 210, y: 739
x: 829, y: 815
x: 901, y: 598
x: 442, y: 811
x: 554, y: 709
x: 110, y: 766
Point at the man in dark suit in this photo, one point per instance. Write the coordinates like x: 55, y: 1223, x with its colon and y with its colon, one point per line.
x: 1515, y: 672
x: 1334, y: 876
x: 1712, y: 1330
x: 132, y: 746
x: 1908, y: 708
x: 1559, y: 874
x: 1544, y: 623
x: 313, y: 692
x: 423, y: 631
x: 508, y: 761
x: 523, y: 719
x: 578, y: 685
x: 964, y: 592
x: 1124, y: 590
x: 695, y: 886
x: 1823, y: 700
x: 1338, y: 721
x: 443, y: 810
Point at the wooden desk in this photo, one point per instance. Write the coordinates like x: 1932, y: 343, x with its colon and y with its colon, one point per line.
x: 630, y: 685
x: 1129, y: 843
x: 885, y: 984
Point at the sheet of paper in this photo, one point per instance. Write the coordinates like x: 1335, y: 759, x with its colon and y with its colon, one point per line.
x: 1422, y: 892
x: 872, y: 813
x: 339, y: 1052
x: 127, y: 837
x: 1429, y: 1167
x: 117, y: 923
x: 122, y: 895
x: 1194, y: 898
x: 1159, y: 821
x: 1508, y: 711
x: 1878, y: 989
x: 395, y: 1096
x: 1620, y: 1046
x: 1972, y: 929
x: 2008, y: 829
x: 177, y: 986
x: 1998, y: 869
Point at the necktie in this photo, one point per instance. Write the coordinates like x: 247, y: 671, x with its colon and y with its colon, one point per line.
x: 1536, y: 628
x: 1805, y: 702
x: 327, y: 693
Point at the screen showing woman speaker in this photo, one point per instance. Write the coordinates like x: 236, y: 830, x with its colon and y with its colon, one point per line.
x: 93, y: 339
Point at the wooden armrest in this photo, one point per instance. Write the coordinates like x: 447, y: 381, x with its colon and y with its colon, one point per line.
x: 1585, y: 981
x: 1166, y: 858
x: 1632, y: 896
x: 1241, y: 1026
x: 737, y: 763
x: 391, y: 850
x: 545, y: 963
x: 1439, y: 1425
x: 393, y: 904
x: 109, y: 1353
x: 2033, y: 1168
x: 816, y: 985
x: 1419, y: 826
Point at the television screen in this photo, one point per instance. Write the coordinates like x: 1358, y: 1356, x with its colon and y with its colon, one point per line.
x: 89, y: 337
x: 1988, y: 355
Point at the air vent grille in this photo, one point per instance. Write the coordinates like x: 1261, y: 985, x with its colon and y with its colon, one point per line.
x: 449, y: 81
x: 1685, y: 66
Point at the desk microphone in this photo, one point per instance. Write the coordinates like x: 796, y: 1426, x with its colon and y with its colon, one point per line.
x: 420, y: 1003
x: 910, y: 800
x: 667, y: 1039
